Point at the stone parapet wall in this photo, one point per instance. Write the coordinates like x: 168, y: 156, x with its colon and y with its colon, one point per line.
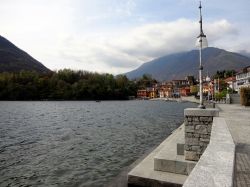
x: 216, y: 166
x: 198, y: 125
x: 197, y: 135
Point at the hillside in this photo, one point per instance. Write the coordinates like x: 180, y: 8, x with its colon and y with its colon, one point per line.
x: 13, y: 59
x: 179, y: 65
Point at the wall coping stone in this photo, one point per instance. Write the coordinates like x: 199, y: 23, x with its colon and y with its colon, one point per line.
x: 201, y: 112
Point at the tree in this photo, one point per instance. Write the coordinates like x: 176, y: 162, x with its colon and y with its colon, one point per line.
x: 194, y: 89
x: 145, y: 81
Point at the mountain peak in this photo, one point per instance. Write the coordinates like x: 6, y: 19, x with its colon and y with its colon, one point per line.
x: 180, y: 65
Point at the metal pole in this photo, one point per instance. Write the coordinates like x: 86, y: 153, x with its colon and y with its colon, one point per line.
x: 200, y: 78
x: 201, y: 68
x: 219, y: 84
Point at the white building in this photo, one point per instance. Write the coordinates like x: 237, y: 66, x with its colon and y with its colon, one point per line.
x: 243, y: 78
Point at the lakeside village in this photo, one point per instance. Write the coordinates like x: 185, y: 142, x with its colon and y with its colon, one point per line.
x: 216, y: 88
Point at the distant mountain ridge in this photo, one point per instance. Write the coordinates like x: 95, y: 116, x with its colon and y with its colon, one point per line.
x: 180, y: 65
x: 13, y: 59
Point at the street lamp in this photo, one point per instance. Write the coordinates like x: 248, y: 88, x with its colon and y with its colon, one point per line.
x: 201, y: 43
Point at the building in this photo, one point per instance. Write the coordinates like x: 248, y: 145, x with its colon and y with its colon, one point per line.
x: 231, y: 82
x: 165, y: 90
x: 152, y: 92
x: 177, y: 87
x: 243, y: 78
x: 180, y: 83
x: 142, y: 94
x: 185, y: 91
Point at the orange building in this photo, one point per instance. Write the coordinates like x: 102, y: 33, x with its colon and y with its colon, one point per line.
x: 185, y: 91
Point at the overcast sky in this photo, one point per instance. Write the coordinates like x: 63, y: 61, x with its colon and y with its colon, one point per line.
x: 117, y: 36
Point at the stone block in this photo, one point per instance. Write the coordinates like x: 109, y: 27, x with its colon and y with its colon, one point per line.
x: 181, y: 168
x: 204, y: 140
x: 196, y: 135
x: 188, y: 147
x: 191, y: 141
x: 189, y: 128
x: 196, y: 123
x: 180, y: 149
x: 201, y: 112
x: 189, y: 134
x: 196, y: 148
x: 205, y: 136
x: 196, y: 119
x: 209, y: 128
x: 210, y: 119
x: 202, y: 129
x: 197, y: 127
x: 204, y: 118
x: 164, y: 165
x: 191, y: 155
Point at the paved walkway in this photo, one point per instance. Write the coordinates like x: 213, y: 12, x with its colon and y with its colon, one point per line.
x: 238, y: 120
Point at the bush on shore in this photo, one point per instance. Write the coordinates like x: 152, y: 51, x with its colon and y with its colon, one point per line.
x: 245, y: 96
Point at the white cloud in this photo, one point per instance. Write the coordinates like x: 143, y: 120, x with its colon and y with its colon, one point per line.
x: 138, y: 45
x: 111, y: 36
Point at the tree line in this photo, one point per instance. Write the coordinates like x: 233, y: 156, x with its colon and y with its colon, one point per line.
x: 65, y: 84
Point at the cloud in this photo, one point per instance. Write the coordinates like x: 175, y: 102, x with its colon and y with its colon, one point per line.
x: 138, y: 45
x: 117, y: 36
x: 109, y: 36
x: 125, y: 8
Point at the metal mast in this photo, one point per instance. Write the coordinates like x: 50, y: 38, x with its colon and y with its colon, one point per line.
x: 201, y: 37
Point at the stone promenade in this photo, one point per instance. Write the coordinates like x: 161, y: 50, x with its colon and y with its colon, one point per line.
x: 238, y: 120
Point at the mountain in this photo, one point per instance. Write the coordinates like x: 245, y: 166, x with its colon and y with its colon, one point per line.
x: 245, y: 53
x: 179, y: 65
x: 13, y: 59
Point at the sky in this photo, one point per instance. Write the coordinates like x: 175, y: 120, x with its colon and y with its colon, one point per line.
x: 117, y: 36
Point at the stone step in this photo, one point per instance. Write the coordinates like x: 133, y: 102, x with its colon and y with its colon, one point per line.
x: 171, y: 157
x: 145, y: 175
x: 176, y: 165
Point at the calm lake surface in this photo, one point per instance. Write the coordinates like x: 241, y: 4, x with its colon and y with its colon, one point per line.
x: 79, y: 143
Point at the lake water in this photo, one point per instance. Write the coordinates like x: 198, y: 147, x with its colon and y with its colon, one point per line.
x: 79, y: 143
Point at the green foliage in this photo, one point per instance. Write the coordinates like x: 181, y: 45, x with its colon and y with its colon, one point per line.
x: 194, y: 89
x: 224, y: 74
x: 221, y: 95
x: 145, y: 81
x: 65, y: 85
x: 245, y: 96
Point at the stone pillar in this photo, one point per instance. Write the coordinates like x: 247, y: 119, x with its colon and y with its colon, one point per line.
x: 198, y: 125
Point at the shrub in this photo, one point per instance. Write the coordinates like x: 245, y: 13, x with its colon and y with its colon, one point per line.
x: 245, y: 96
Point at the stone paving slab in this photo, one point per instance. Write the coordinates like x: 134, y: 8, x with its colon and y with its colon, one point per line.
x: 242, y: 166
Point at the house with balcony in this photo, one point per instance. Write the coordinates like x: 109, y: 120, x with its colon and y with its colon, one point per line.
x: 243, y: 78
x: 166, y: 90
